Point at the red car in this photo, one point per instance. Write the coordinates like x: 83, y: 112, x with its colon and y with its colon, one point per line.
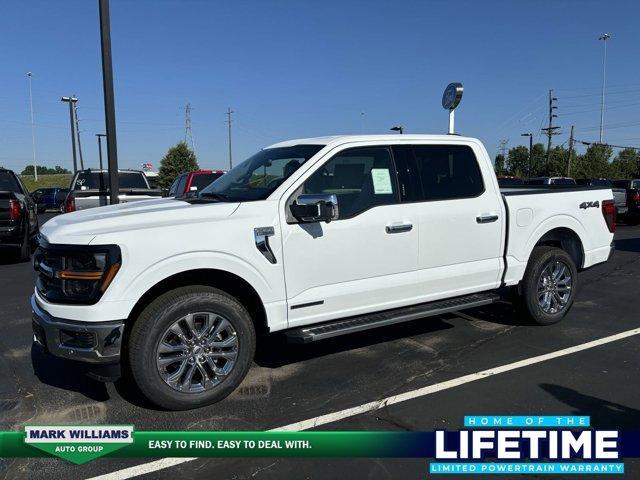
x: 193, y: 182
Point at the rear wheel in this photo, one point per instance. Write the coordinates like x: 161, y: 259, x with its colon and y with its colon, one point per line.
x: 548, y: 288
x: 191, y: 347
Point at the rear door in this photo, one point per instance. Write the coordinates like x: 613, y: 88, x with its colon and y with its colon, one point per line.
x: 460, y: 222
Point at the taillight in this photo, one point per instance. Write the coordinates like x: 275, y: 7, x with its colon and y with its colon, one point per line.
x: 15, y: 211
x: 609, y: 214
x: 635, y: 197
x: 69, y: 204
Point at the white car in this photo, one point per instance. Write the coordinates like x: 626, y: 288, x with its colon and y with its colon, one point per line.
x: 317, y: 237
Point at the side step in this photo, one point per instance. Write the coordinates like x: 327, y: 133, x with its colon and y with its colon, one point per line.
x: 334, y: 328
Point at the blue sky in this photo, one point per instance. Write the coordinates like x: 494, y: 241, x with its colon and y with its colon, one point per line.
x: 294, y: 69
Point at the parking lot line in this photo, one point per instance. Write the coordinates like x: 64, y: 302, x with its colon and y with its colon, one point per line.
x: 154, y: 466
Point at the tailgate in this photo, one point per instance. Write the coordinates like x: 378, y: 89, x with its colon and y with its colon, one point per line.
x: 4, y: 207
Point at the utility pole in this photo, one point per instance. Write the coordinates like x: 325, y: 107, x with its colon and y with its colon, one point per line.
x: 570, y: 152
x: 109, y: 102
x: 33, y: 131
x: 550, y: 131
x: 604, y: 38
x: 502, y: 148
x: 188, y: 134
x: 71, y: 100
x: 75, y: 113
x: 229, y: 112
x: 530, y: 135
x: 100, y: 135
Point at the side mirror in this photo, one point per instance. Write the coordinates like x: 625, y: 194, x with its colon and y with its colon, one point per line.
x: 310, y: 208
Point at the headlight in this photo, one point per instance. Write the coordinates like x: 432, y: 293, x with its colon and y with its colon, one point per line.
x: 75, y: 274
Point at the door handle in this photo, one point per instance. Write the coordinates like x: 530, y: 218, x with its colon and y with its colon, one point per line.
x: 486, y: 218
x: 404, y: 227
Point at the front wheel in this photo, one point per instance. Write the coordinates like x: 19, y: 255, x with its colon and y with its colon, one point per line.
x: 191, y: 347
x: 549, y: 285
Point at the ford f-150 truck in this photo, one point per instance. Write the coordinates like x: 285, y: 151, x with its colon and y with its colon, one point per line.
x: 18, y: 216
x: 90, y: 188
x: 316, y: 237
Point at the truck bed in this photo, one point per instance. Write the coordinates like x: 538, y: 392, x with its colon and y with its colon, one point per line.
x: 533, y: 210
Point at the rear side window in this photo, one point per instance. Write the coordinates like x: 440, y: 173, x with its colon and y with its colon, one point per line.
x: 447, y: 172
x: 361, y: 178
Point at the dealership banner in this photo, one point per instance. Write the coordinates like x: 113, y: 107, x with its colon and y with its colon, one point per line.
x: 487, y: 445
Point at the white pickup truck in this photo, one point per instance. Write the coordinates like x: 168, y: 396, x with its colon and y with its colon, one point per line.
x: 316, y: 237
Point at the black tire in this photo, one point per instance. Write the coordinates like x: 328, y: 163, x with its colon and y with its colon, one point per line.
x: 152, y: 324
x: 541, y: 258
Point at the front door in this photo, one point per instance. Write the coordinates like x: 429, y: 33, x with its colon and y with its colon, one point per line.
x: 364, y: 261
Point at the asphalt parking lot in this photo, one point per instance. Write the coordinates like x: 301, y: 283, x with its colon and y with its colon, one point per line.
x: 295, y: 383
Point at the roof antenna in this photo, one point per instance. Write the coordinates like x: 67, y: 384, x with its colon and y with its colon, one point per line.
x: 450, y: 100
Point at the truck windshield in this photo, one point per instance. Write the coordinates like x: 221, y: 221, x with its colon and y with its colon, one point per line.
x: 258, y: 176
x: 100, y: 180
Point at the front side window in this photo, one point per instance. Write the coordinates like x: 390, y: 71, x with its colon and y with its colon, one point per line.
x: 448, y: 172
x: 361, y: 178
x: 258, y: 176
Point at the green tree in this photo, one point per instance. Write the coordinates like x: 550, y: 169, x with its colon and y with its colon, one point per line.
x: 539, y: 160
x: 499, y: 166
x: 558, y: 161
x: 179, y: 159
x: 594, y: 163
x: 626, y: 164
x: 42, y: 170
x: 518, y: 161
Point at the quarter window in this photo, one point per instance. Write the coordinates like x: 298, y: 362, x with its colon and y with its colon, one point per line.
x: 361, y: 178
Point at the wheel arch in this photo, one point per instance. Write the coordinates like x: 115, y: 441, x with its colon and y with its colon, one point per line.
x: 566, y: 239
x: 228, y: 282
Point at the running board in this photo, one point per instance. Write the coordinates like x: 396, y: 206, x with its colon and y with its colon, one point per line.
x: 334, y: 328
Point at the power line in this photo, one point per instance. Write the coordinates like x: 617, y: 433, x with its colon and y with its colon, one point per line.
x: 607, y: 145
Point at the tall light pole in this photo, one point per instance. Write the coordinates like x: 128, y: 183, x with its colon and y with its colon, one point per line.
x: 604, y: 38
x: 100, y: 135
x: 33, y: 131
x: 530, y: 135
x: 398, y: 128
x: 71, y: 101
x: 109, y: 101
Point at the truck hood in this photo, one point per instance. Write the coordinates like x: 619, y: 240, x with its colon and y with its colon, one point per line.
x: 81, y: 227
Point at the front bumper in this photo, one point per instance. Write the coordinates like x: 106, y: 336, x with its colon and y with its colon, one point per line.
x: 97, y: 343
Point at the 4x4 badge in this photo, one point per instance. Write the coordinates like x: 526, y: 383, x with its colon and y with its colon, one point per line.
x: 586, y: 205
